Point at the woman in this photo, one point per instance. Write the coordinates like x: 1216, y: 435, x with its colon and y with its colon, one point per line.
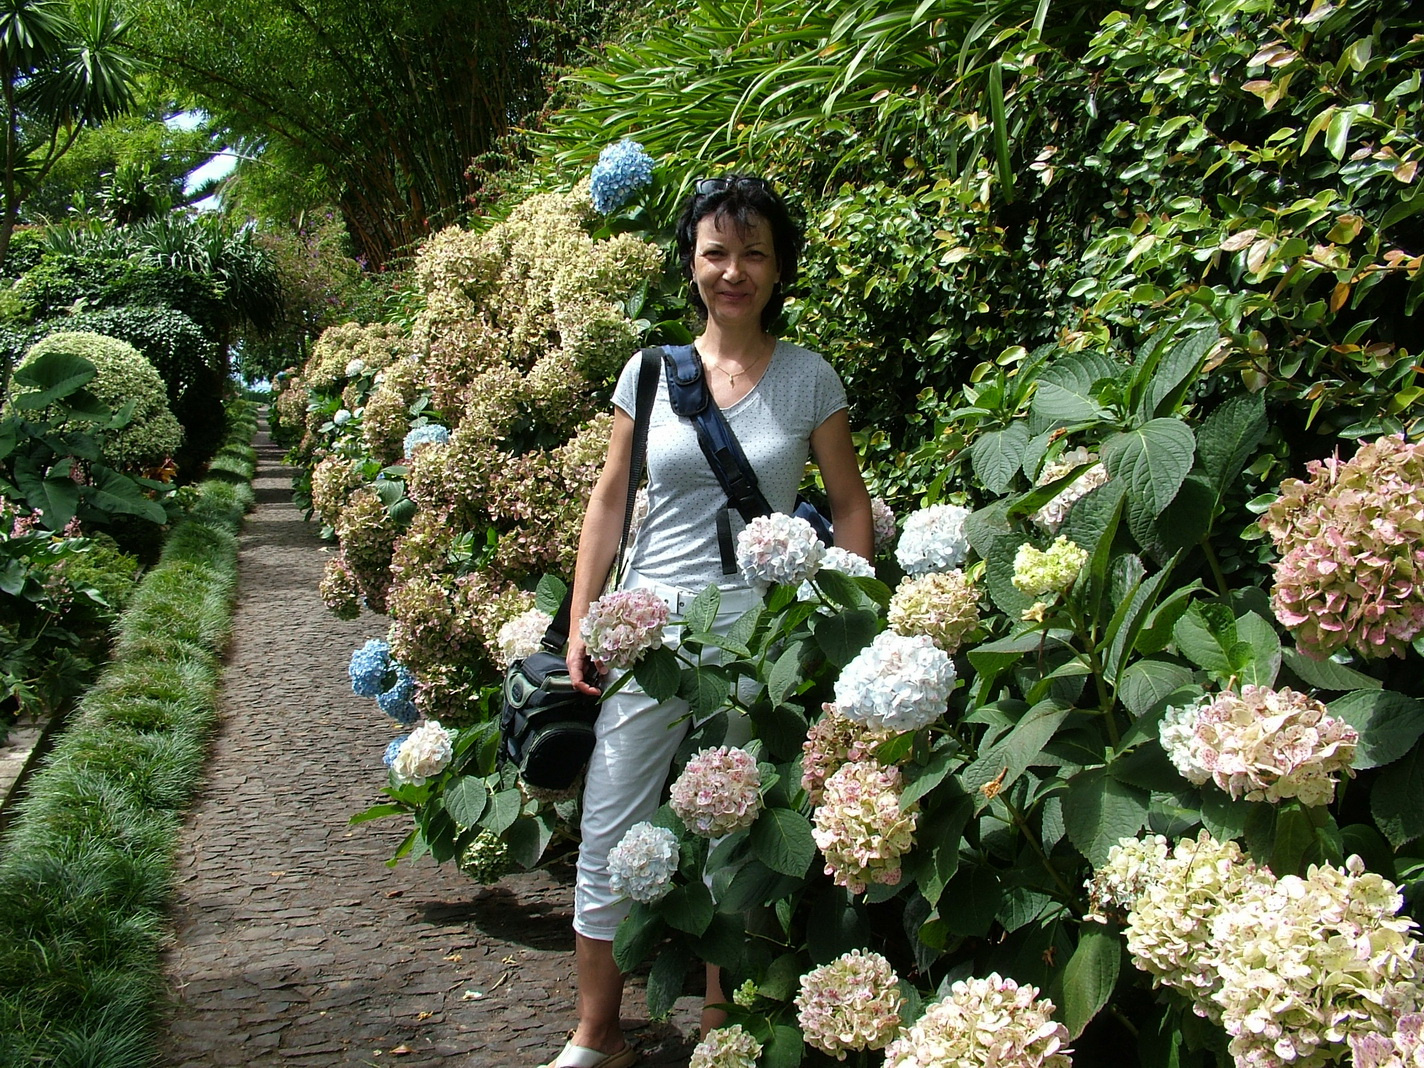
x: 739, y: 248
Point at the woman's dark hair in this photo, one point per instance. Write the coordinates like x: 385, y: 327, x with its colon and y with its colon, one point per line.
x: 741, y: 198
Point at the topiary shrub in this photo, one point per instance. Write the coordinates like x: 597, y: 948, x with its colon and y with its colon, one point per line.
x: 152, y: 434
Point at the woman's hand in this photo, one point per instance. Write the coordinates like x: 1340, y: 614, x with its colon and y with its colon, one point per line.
x: 583, y: 672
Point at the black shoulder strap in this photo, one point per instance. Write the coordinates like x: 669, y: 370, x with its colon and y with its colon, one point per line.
x: 558, y: 633
x: 690, y: 397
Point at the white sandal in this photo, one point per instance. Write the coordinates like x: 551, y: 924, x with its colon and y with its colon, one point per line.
x: 572, y: 1056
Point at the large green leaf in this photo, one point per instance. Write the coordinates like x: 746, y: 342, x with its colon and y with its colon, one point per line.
x: 1397, y: 800
x: 636, y: 936
x: 1228, y: 436
x: 665, y: 980
x: 998, y: 455
x: 465, y: 800
x: 51, y: 377
x: 1065, y: 391
x: 781, y: 839
x: 503, y: 810
x: 1388, y: 724
x: 118, y: 494
x: 1326, y: 674
x: 1090, y: 976
x: 1152, y: 461
x: 1006, y: 760
x: 1099, y: 809
x: 1146, y: 683
x: 659, y: 673
x: 843, y: 635
x: 786, y: 1047
x: 687, y: 907
x: 1169, y: 377
x: 528, y: 838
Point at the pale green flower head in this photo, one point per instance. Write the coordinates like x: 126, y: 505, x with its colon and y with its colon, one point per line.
x: 1039, y: 572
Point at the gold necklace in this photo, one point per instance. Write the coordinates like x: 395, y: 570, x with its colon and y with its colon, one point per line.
x: 732, y: 376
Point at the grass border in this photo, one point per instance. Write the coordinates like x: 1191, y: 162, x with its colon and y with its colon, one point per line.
x: 86, y: 867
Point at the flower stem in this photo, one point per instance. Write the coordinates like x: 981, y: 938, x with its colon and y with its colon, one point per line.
x: 1022, y: 824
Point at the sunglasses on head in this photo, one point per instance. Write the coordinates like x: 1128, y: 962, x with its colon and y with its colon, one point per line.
x: 706, y: 187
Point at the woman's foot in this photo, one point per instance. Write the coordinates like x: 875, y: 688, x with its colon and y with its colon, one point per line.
x: 572, y: 1056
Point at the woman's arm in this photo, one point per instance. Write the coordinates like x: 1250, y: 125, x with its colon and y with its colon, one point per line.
x: 598, y: 542
x: 845, y: 489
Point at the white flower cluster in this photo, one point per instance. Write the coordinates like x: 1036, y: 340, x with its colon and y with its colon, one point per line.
x: 726, y: 1047
x: 1050, y: 517
x: 521, y: 636
x: 993, y: 1023
x: 778, y: 550
x: 1116, y: 886
x: 423, y: 755
x: 1040, y: 572
x: 642, y: 864
x: 942, y: 605
x: 1402, y: 1049
x: 1296, y: 970
x: 852, y: 1003
x: 1263, y: 744
x: 901, y: 682
x: 837, y: 559
x: 621, y: 626
x: 933, y: 539
x: 883, y: 522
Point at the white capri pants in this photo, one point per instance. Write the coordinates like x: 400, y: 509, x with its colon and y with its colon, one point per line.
x: 636, y: 739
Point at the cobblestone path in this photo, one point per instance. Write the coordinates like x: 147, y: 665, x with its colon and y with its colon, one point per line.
x: 294, y: 943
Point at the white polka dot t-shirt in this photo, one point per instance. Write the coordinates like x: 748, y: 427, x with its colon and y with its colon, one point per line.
x: 677, y: 543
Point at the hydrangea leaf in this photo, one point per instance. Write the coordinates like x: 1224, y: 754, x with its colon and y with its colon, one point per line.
x: 1153, y: 461
x: 1264, y: 645
x: 1397, y: 800
x: 1326, y: 674
x: 1090, y: 976
x: 1205, y: 634
x: 839, y: 587
x: 550, y: 594
x: 1168, y: 377
x: 528, y: 838
x: 503, y: 810
x: 997, y: 456
x: 465, y: 800
x: 781, y: 839
x: 704, y: 689
x: 687, y: 907
x: 724, y: 943
x: 1099, y: 810
x: 999, y: 577
x: 1388, y: 723
x: 1228, y: 436
x: 1066, y: 388
x: 843, y: 635
x: 835, y: 926
x: 784, y: 1049
x: 1145, y: 684
x: 702, y: 612
x: 658, y: 673
x: 1020, y: 906
x: 1224, y: 816
x: 976, y: 895
x: 636, y: 936
x: 1006, y: 760
x: 937, y: 843
x: 665, y: 981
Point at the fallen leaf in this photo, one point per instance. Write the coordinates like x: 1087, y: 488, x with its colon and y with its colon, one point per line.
x: 424, y: 1015
x: 472, y: 995
x: 455, y: 957
x: 401, y: 1051
x: 395, y: 893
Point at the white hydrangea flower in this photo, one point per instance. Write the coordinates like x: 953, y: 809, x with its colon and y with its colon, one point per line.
x: 521, y: 636
x: 718, y: 792
x: 1050, y: 517
x: 1177, y: 733
x: 900, y: 681
x: 643, y: 863
x: 1131, y: 865
x: 984, y: 1023
x: 933, y: 539
x: 852, y: 1003
x: 355, y: 366
x: 621, y: 626
x: 423, y: 755
x: 837, y: 559
x: 731, y: 1046
x: 778, y: 550
x: 342, y: 417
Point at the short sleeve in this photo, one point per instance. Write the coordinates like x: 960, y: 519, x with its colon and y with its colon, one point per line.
x: 625, y: 394
x: 830, y: 394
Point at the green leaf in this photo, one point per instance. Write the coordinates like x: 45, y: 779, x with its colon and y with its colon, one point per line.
x: 1064, y: 390
x: 1227, y: 438
x: 58, y: 498
x: 705, y: 690
x: 997, y: 456
x: 465, y: 800
x: 1205, y: 635
x: 977, y: 897
x: 52, y: 375
x: 503, y: 810
x: 1099, y: 809
x: 1170, y: 376
x: 1264, y: 644
x: 1146, y: 683
x: 636, y: 936
x: 785, y: 674
x: 1006, y: 760
x: 1152, y: 461
x: 701, y: 614
x: 1337, y: 134
x: 999, y: 577
x: 687, y: 907
x: 786, y: 1048
x: 781, y: 839
x: 1388, y: 723
x: 549, y: 594
x: 528, y: 838
x: 835, y: 926
x: 843, y: 635
x: 659, y: 673
x: 118, y: 494
x: 1090, y: 976
x: 937, y: 842
x: 1326, y: 674
x: 376, y: 812
x: 839, y: 587
x: 665, y: 981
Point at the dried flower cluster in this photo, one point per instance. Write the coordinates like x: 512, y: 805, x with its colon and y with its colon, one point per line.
x: 941, y: 605
x: 1351, y: 540
x: 992, y: 1022
x: 860, y: 828
x: 852, y: 1003
x: 1261, y: 744
x: 718, y: 792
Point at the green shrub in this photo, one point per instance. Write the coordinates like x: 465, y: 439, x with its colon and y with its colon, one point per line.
x: 152, y: 434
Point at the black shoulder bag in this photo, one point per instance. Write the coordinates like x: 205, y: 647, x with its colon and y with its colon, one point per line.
x: 545, y: 725
x: 691, y: 399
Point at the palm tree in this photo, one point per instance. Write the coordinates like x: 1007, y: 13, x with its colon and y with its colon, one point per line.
x: 64, y: 68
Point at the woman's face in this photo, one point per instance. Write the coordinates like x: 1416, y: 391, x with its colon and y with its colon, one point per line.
x: 734, y: 269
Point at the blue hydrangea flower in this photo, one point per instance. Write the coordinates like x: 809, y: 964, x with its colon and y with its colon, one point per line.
x: 392, y: 749
x: 368, y: 669
x: 621, y: 170
x: 428, y: 434
x: 396, y: 702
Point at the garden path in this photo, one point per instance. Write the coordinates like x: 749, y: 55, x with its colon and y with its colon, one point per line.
x: 294, y: 944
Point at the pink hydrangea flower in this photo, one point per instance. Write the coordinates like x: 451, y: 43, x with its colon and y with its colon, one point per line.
x: 718, y: 792
x: 852, y: 1003
x: 993, y: 1023
x: 860, y: 828
x: 778, y: 550
x: 883, y: 523
x: 832, y: 741
x: 1351, y: 540
x: 620, y: 627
